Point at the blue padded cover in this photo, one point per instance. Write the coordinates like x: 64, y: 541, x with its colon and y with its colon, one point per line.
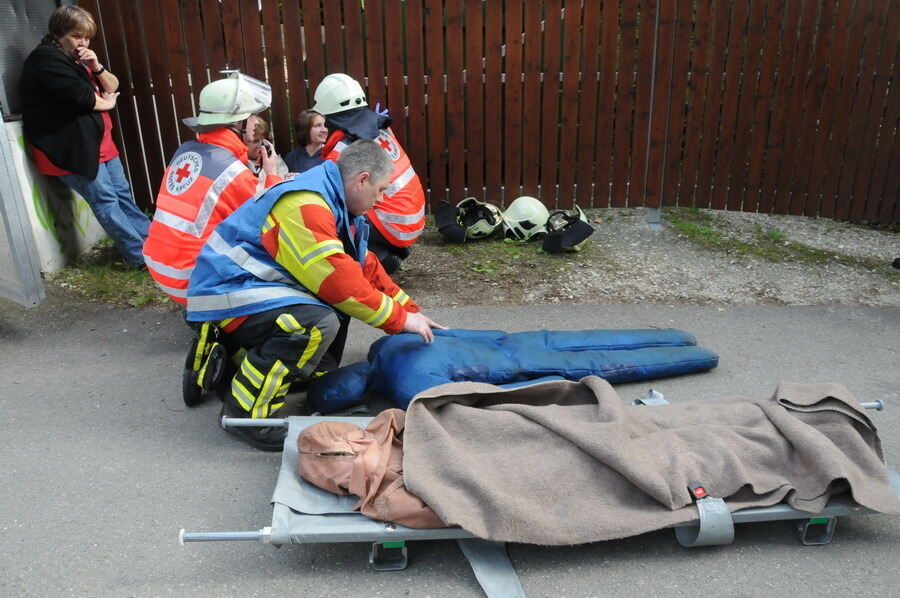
x: 403, y: 365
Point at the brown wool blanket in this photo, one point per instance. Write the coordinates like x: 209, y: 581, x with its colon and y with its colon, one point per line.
x: 570, y: 462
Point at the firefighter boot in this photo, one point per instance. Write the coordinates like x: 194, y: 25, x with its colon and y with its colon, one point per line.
x: 268, y: 438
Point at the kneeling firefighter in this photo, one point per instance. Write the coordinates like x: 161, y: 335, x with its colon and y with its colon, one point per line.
x: 399, y: 218
x: 284, y: 273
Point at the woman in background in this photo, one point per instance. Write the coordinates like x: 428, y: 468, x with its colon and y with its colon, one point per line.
x: 67, y: 96
x: 311, y: 136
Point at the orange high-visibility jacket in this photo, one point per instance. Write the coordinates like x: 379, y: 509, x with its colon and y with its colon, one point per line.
x: 206, y: 180
x: 400, y: 215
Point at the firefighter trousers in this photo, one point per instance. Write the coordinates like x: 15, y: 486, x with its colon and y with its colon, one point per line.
x: 284, y: 345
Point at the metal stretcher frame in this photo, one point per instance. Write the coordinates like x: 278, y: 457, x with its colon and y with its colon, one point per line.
x: 305, y: 514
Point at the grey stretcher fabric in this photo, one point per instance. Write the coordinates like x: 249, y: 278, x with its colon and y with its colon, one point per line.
x: 569, y: 462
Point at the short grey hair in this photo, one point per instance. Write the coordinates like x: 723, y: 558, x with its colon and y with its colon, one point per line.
x: 364, y: 155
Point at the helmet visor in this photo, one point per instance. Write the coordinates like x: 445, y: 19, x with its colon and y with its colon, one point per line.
x: 251, y: 95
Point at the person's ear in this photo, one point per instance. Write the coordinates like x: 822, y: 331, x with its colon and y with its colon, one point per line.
x: 362, y: 178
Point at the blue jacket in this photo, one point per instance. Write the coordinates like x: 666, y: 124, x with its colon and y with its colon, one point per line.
x: 236, y: 276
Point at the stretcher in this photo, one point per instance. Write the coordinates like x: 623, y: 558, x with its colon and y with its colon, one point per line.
x: 305, y: 514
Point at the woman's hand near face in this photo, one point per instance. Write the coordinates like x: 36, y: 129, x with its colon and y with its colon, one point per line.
x: 89, y: 58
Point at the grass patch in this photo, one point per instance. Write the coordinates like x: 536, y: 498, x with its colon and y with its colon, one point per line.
x: 772, y: 244
x: 102, y: 275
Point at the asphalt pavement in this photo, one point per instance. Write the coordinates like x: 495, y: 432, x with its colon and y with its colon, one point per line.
x: 103, y: 464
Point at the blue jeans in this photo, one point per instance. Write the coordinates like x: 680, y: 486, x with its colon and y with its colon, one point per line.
x: 110, y: 199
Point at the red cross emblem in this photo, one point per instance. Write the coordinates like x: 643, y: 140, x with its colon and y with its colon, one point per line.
x: 182, y: 172
x: 185, y: 169
x: 388, y: 143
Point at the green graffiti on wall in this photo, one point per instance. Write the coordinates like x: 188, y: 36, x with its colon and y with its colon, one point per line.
x: 58, y: 212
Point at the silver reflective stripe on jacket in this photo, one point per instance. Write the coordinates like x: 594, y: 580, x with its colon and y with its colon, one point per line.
x: 166, y: 270
x: 242, y: 297
x: 198, y: 225
x: 243, y: 259
x: 389, y: 219
x: 400, y: 182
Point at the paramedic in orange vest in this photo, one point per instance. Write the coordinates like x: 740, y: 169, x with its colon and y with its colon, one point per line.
x: 398, y: 219
x: 207, y: 179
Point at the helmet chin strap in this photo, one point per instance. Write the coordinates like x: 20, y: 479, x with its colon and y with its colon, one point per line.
x: 239, y: 131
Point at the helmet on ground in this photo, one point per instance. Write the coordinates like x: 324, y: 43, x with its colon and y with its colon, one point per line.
x: 470, y: 219
x: 567, y: 230
x: 230, y: 100
x: 524, y: 218
x: 338, y: 92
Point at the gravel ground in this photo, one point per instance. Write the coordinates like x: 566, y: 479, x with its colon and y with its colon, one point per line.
x: 627, y: 262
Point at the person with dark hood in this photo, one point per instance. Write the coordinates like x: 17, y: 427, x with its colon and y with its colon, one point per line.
x: 398, y: 219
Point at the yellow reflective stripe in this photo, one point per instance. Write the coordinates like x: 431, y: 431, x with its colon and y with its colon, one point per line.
x: 269, y: 389
x: 251, y: 373
x: 224, y: 323
x: 315, y: 339
x: 201, y: 346
x: 311, y: 253
x: 289, y: 323
x: 243, y: 396
x: 401, y: 297
x: 269, y: 224
x: 383, y: 313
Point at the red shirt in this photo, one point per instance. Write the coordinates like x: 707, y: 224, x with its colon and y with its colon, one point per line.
x: 108, y: 149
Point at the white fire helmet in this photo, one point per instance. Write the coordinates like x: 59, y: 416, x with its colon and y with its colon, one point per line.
x: 338, y: 92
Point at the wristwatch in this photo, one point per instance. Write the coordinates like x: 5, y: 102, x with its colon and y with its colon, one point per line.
x: 100, y: 72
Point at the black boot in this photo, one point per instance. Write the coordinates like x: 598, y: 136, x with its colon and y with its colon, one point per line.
x: 269, y: 438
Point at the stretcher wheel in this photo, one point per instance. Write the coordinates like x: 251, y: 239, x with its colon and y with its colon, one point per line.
x: 190, y: 390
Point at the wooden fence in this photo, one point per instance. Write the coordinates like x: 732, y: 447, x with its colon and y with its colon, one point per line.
x: 779, y: 106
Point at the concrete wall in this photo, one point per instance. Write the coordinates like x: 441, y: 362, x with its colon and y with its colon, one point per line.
x: 62, y: 223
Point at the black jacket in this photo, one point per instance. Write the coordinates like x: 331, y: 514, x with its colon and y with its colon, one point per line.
x: 58, y: 110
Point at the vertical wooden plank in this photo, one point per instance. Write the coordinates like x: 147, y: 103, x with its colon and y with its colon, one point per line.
x: 234, y: 39
x: 531, y: 100
x: 850, y: 206
x: 814, y: 94
x: 807, y: 29
x: 550, y: 117
x: 274, y: 55
x: 640, y: 137
x: 213, y: 37
x: 437, y: 138
x: 678, y: 100
x: 475, y: 129
x: 142, y: 93
x: 873, y: 142
x: 375, y: 69
x: 750, y: 80
x: 159, y: 78
x: 415, y: 61
x: 355, y: 47
x: 587, y: 105
x: 493, y: 98
x: 251, y: 39
x: 787, y: 55
x: 658, y: 140
x: 607, y: 93
x: 456, y: 120
x: 624, y: 102
x: 891, y: 189
x: 890, y: 138
x: 697, y: 94
x: 310, y: 11
x: 830, y: 95
x: 196, y: 53
x: 512, y: 100
x: 709, y: 137
x: 763, y: 104
x: 299, y: 94
x: 177, y: 69
x: 334, y: 37
x: 730, y: 99
x: 394, y: 95
x: 126, y: 128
